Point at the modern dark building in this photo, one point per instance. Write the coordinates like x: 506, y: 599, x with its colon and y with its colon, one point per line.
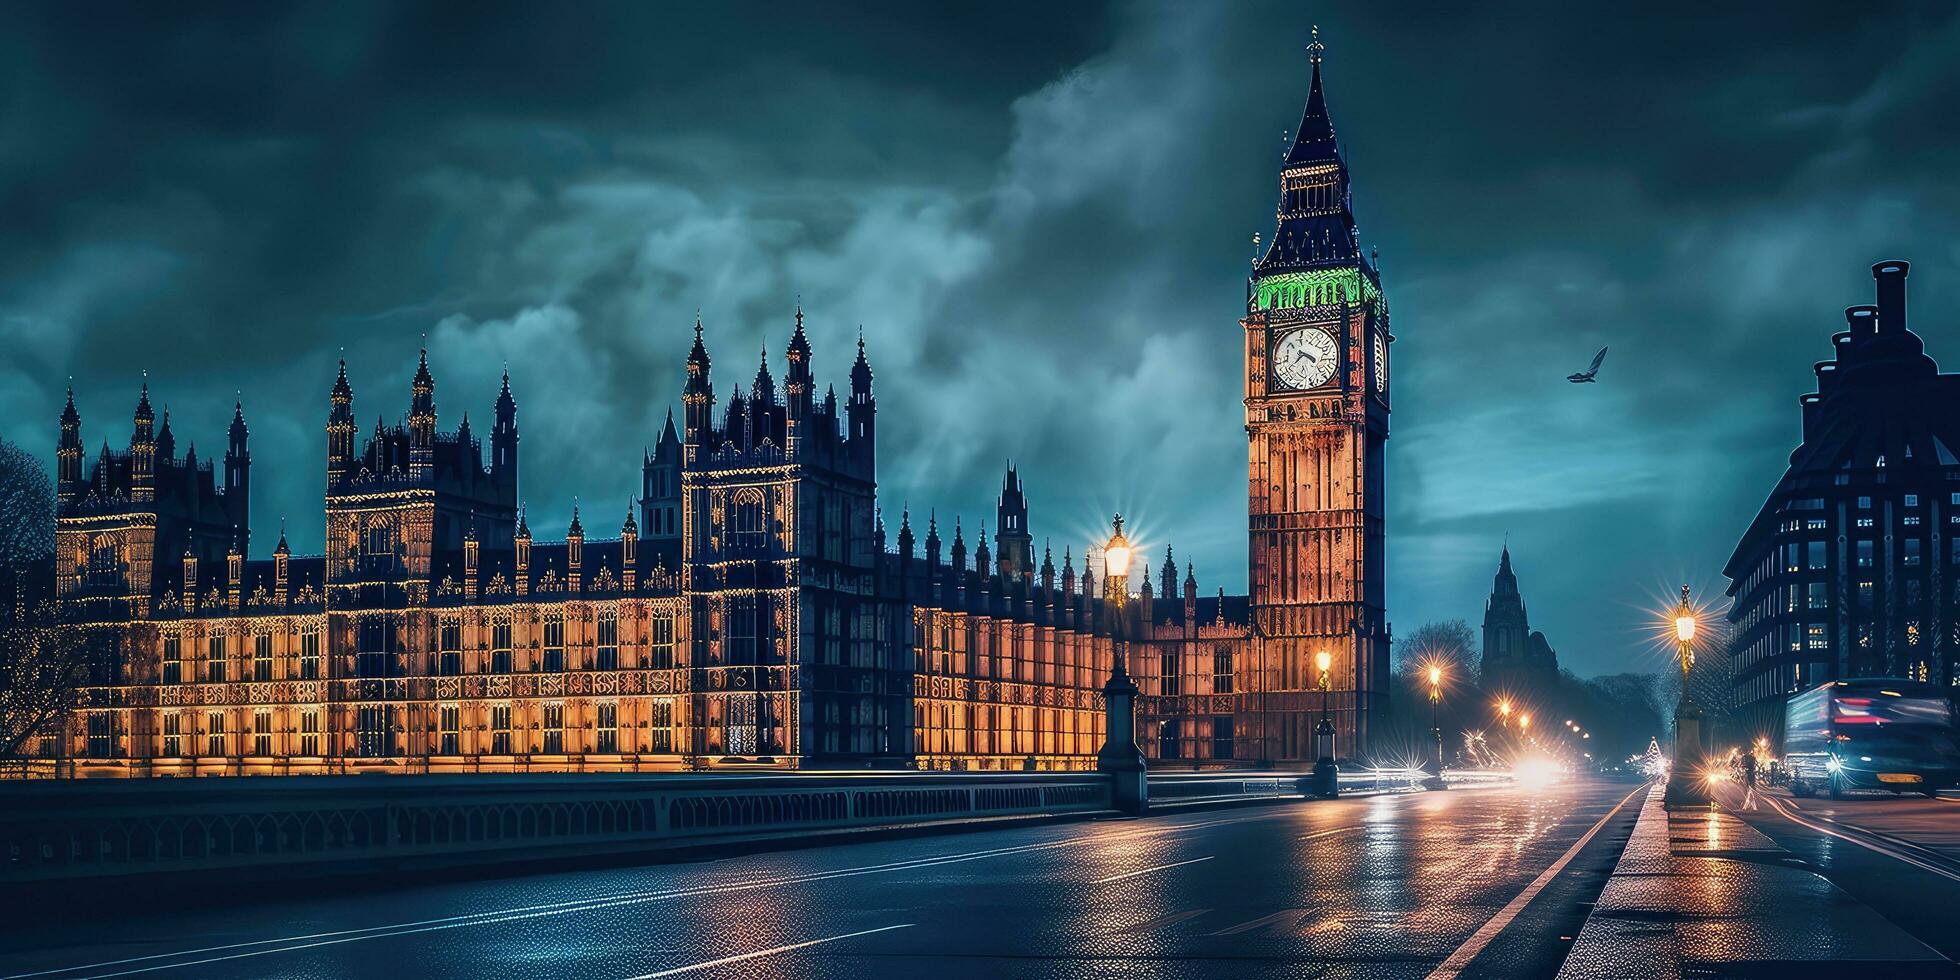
x: 1849, y: 569
x: 1516, y: 659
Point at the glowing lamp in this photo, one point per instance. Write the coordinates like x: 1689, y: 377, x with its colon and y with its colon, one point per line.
x: 1116, y: 554
x: 1684, y: 628
x: 1323, y: 660
x: 1435, y: 676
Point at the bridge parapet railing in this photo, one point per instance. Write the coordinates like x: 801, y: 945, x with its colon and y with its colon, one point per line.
x: 64, y: 829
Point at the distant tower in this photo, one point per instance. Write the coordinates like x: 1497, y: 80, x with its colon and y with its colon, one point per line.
x: 340, y: 429
x: 68, y: 469
x: 422, y: 422
x: 143, y: 451
x: 1506, y: 629
x: 503, y: 446
x: 862, y: 413
x: 660, y: 493
x: 238, y: 478
x: 698, y: 399
x: 799, y: 387
x: 1013, y: 545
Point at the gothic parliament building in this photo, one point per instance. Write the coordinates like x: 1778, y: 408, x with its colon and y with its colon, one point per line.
x: 754, y: 609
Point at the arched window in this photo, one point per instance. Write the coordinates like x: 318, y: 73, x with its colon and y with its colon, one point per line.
x: 378, y: 548
x: 104, y: 565
x: 748, y: 529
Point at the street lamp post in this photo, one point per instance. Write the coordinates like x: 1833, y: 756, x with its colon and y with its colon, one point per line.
x: 1119, y: 756
x: 1326, y: 775
x: 1682, y: 787
x: 1435, y: 780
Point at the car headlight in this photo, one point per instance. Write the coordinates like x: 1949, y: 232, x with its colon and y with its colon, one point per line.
x: 1833, y: 764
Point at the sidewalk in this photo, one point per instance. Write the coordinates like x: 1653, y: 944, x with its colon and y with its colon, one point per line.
x: 1700, y: 893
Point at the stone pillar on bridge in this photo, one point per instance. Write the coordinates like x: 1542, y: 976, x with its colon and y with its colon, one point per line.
x: 1119, y: 757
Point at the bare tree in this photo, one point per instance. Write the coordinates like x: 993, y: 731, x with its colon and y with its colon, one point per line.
x: 26, y: 510
x: 1449, y: 642
x: 42, y: 663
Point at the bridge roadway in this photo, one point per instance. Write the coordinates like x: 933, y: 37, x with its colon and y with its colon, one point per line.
x: 1898, y: 854
x: 1470, y: 882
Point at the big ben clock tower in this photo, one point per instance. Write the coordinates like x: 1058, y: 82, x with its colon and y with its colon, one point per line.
x: 1316, y: 421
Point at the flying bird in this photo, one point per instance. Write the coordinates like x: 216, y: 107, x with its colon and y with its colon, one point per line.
x: 1586, y: 376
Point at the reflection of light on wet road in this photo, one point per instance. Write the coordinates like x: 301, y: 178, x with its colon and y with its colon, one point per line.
x: 758, y: 954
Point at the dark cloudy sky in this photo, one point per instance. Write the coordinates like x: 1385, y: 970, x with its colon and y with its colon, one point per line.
x: 1041, y: 217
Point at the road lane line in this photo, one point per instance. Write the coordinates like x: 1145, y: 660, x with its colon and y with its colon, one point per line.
x: 1165, y: 921
x: 493, y: 916
x: 1329, y: 833
x: 1145, y: 871
x: 1792, y: 814
x: 758, y: 954
x: 1453, y: 966
x: 1265, y: 920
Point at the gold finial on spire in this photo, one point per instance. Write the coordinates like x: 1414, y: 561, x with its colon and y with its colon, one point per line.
x: 1314, y: 49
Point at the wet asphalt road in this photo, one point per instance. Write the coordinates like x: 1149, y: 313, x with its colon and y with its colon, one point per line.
x: 1898, y: 854
x: 1386, y: 886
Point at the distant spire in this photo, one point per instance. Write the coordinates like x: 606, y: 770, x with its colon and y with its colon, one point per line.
x: 576, y: 528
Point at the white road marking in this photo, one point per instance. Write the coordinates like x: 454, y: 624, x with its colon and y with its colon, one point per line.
x: 337, y: 937
x: 1329, y: 833
x: 1166, y: 921
x: 1483, y: 936
x: 1145, y: 871
x: 1790, y: 812
x: 1264, y: 921
x: 758, y: 954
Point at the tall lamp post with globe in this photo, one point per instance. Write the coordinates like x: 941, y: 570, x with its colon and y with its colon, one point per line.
x: 1119, y: 756
x: 1682, y: 787
x: 1435, y: 677
x: 1326, y: 775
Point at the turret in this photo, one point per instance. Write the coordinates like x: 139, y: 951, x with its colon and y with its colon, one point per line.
x: 799, y: 386
x: 522, y: 554
x: 861, y: 412
x: 735, y: 425
x: 166, y: 443
x: 905, y: 540
x: 574, y: 551
x: 1016, y: 545
x: 629, y: 551
x: 660, y: 485
x: 472, y: 555
x: 68, y: 454
x: 234, y: 572
x: 143, y: 450
x: 281, y: 566
x: 340, y: 429
x: 422, y: 421
x: 238, y: 475
x: 697, y: 398
x: 503, y: 444
x: 1169, y: 573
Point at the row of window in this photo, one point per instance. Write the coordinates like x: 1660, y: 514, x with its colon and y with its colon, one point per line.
x: 375, y: 730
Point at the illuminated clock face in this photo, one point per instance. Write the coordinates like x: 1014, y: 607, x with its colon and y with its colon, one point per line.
x: 1381, y: 364
x: 1304, y: 358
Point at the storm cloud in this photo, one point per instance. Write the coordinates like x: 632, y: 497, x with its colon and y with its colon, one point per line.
x: 1039, y: 217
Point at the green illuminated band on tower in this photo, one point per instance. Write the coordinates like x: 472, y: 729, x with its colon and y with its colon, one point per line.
x: 1317, y: 287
